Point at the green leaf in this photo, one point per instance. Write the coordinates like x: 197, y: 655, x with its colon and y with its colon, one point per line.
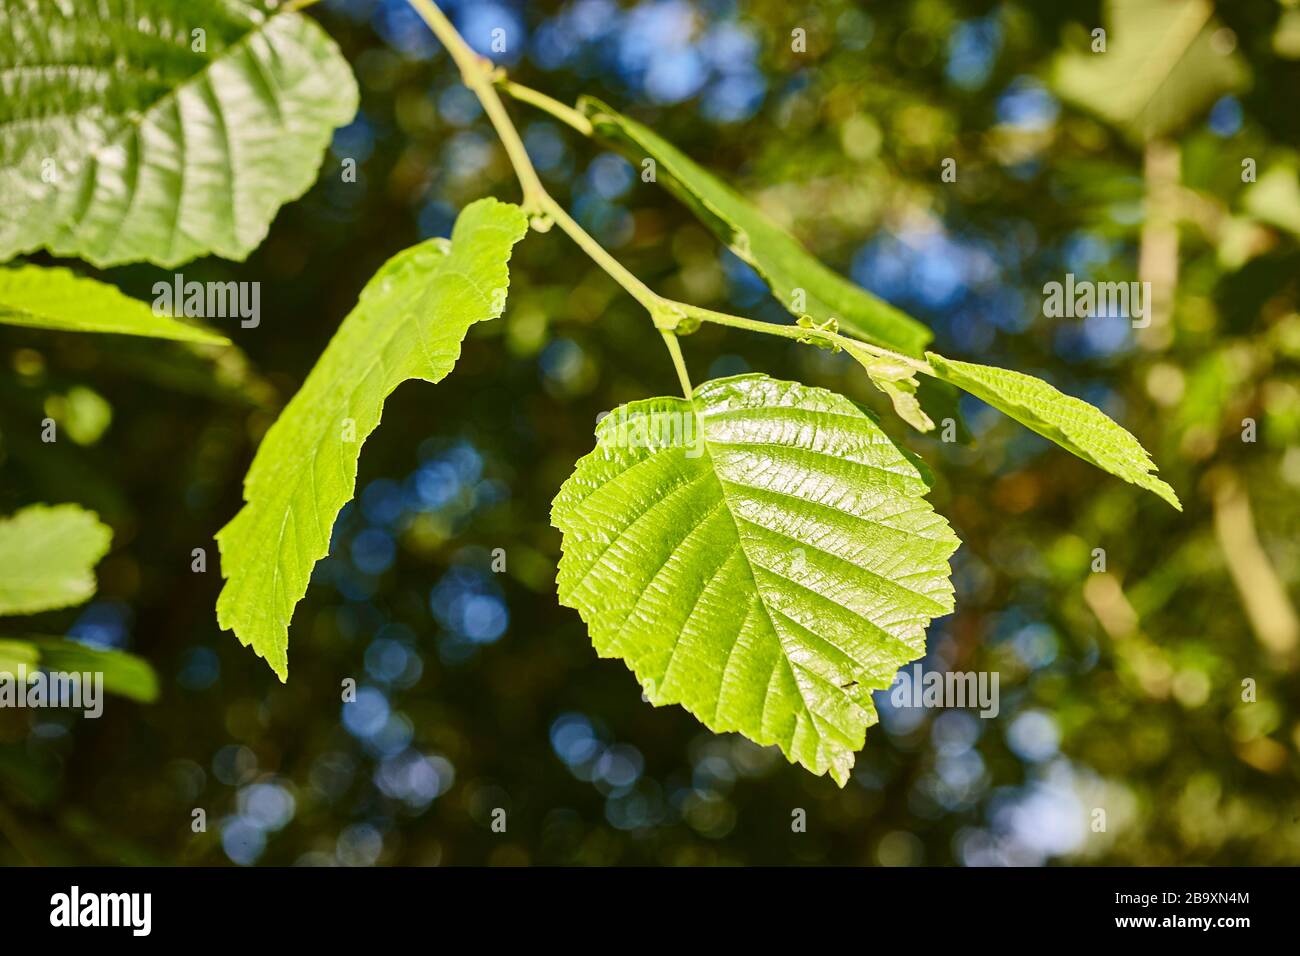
x: 154, y: 130
x: 802, y: 284
x: 409, y: 323
x: 1160, y: 70
x: 761, y: 554
x: 1070, y: 422
x: 897, y: 380
x: 47, y: 556
x: 56, y: 298
x: 124, y: 674
x: 16, y: 654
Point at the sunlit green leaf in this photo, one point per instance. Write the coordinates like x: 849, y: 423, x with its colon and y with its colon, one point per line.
x: 47, y: 557
x: 1070, y: 422
x: 409, y: 323
x: 56, y: 298
x: 154, y: 130
x: 761, y: 554
x: 802, y: 284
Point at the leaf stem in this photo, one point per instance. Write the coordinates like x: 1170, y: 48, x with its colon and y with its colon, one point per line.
x: 652, y: 302
x: 679, y: 362
x: 800, y: 332
x: 671, y: 311
x: 483, y: 79
x: 479, y: 75
x: 476, y: 73
x: 565, y: 114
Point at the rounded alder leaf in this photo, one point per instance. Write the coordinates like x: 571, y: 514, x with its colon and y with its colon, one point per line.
x: 761, y: 554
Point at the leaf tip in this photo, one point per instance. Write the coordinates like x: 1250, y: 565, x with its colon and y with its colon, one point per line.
x: 1166, y: 492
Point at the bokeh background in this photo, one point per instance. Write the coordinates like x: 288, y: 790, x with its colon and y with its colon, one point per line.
x: 1121, y: 690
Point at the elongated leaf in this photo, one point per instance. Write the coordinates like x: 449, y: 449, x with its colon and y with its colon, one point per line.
x: 409, y: 323
x: 761, y: 554
x: 47, y: 557
x: 56, y: 298
x: 801, y: 283
x: 124, y: 674
x: 154, y: 130
x: 1070, y: 422
x: 1159, y: 70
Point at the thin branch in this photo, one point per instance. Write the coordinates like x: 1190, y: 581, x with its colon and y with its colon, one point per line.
x: 480, y: 76
x: 565, y: 114
x: 1261, y: 589
x: 617, y: 271
x: 671, y: 311
x: 800, y: 332
x: 476, y: 73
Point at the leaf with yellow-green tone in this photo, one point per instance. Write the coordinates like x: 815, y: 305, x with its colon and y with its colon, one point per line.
x: 408, y: 324
x: 761, y: 554
x: 798, y: 280
x: 1072, y: 423
x: 43, y: 297
x: 47, y: 557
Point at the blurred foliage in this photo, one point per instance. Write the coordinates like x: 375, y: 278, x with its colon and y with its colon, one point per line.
x: 1121, y: 690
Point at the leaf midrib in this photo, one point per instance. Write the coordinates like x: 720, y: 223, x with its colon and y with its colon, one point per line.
x: 762, y: 600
